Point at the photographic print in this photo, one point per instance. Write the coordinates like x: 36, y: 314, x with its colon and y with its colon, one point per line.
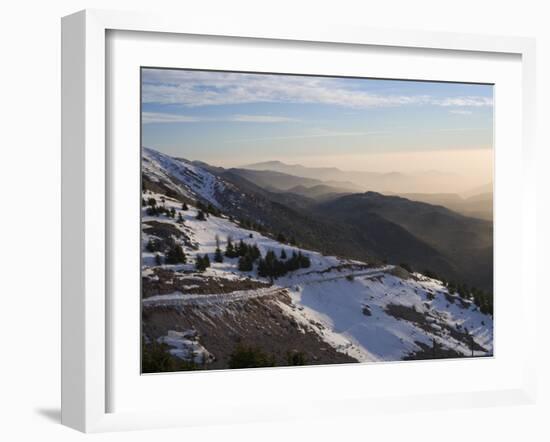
x: 295, y: 220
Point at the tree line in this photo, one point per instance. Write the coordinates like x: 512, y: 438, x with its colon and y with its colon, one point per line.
x: 481, y: 298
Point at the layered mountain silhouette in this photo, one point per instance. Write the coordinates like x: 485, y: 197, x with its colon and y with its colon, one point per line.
x: 362, y: 181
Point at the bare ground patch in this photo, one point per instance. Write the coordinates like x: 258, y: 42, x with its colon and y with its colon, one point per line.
x: 258, y: 323
x: 165, y: 281
x: 166, y: 233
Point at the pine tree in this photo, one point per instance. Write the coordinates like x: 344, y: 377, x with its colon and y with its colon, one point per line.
x: 270, y: 266
x: 202, y: 262
x: 230, y: 250
x: 218, y: 257
x: 305, y: 262
x: 172, y: 212
x: 241, y: 248
x: 201, y: 216
x: 262, y: 268
x: 176, y: 255
x: 254, y: 252
x: 180, y: 218
x: 245, y: 263
x: 184, y: 206
x: 151, y: 246
x: 283, y: 254
x: 158, y: 260
x: 293, y: 263
x: 199, y: 264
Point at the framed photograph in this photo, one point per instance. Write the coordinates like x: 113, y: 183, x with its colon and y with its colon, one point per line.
x: 332, y: 215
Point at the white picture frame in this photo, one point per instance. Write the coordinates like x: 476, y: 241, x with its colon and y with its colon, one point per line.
x: 85, y: 236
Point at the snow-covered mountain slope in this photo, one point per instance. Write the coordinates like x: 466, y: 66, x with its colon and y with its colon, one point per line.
x: 335, y: 310
x: 182, y: 176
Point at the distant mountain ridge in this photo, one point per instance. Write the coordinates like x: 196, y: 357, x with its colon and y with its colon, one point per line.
x: 475, y: 206
x: 375, y: 181
x: 463, y: 242
x: 284, y: 181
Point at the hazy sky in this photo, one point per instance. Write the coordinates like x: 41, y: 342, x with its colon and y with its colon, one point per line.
x: 231, y: 119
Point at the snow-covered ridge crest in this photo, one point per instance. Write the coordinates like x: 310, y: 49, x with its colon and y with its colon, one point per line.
x: 182, y: 176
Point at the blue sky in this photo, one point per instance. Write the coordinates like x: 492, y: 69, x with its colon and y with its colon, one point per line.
x: 231, y: 119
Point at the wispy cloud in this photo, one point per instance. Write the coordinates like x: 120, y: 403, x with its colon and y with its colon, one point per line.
x: 161, y: 118
x: 315, y: 134
x: 196, y: 88
x: 261, y: 119
x: 460, y: 112
x: 322, y: 133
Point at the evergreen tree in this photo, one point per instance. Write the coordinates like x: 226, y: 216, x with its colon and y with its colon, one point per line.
x: 201, y: 216
x: 293, y: 263
x: 241, y: 248
x: 250, y: 357
x: 230, y: 250
x: 151, y: 246
x: 270, y: 258
x: 245, y: 263
x: 218, y: 257
x: 254, y: 252
x: 305, y: 262
x: 172, y: 213
x: 180, y: 218
x: 152, y: 211
x: 281, y: 238
x: 296, y: 358
x: 279, y: 268
x: 176, y: 255
x: 262, y: 268
x: 201, y: 264
x: 184, y: 206
x: 158, y: 260
x: 283, y: 254
x: 272, y: 267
